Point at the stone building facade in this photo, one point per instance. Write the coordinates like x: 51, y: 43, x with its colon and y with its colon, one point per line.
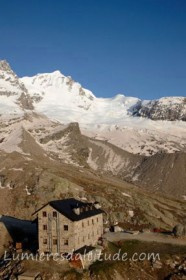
x: 67, y: 225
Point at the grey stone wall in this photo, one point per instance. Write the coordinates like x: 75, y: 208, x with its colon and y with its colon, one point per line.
x: 55, y: 238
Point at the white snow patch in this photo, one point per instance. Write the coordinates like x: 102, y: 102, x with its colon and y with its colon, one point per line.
x: 90, y: 161
x: 27, y: 191
x: 16, y: 169
x: 126, y: 194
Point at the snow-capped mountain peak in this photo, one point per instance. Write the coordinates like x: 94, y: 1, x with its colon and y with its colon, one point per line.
x: 45, y: 80
x: 55, y: 81
x: 4, y: 66
x: 55, y: 89
x: 166, y: 108
x: 9, y: 82
x: 127, y: 122
x: 13, y: 93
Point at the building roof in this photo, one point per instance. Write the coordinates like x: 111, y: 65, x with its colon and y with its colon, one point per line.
x: 66, y: 206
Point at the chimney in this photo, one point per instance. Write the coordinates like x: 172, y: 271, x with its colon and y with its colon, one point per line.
x: 97, y: 205
x: 76, y: 211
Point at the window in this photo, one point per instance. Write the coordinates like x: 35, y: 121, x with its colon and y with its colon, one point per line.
x: 66, y: 227
x: 44, y: 214
x: 45, y: 241
x: 88, y: 223
x: 54, y: 214
x: 54, y: 241
x: 82, y: 224
x: 66, y: 242
x: 83, y: 239
x: 93, y: 221
x: 97, y: 220
x: 88, y: 236
x: 44, y: 227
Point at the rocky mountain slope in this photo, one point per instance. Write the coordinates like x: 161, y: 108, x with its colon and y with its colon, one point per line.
x: 165, y: 173
x: 33, y: 175
x: 50, y: 127
x: 34, y: 136
x: 167, y: 108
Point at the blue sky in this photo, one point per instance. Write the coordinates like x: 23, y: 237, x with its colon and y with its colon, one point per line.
x: 134, y: 47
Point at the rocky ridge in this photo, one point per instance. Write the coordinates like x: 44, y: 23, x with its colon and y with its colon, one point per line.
x: 167, y: 108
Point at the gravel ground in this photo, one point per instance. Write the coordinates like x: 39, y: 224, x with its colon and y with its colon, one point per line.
x: 149, y: 237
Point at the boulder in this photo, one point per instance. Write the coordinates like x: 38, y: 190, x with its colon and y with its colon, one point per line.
x: 179, y: 230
